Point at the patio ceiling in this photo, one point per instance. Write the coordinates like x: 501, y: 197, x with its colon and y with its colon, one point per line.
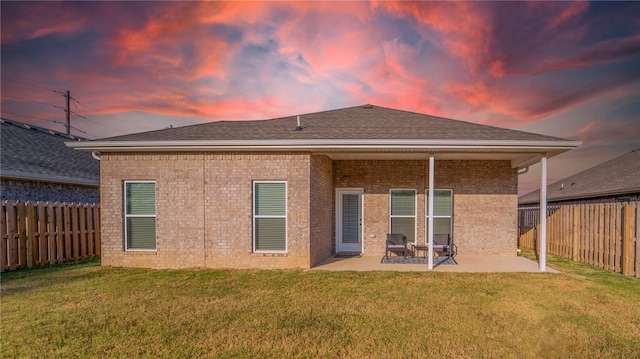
x: 518, y: 159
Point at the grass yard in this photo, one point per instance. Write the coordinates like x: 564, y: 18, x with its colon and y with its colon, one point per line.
x: 86, y: 311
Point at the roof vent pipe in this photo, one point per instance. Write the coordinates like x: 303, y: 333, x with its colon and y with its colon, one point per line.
x: 298, y: 128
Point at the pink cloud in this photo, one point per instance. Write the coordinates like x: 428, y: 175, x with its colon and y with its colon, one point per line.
x: 568, y: 13
x: 309, y: 56
x: 40, y: 20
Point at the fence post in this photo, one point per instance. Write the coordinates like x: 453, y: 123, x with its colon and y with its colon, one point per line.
x: 12, y: 236
x: 51, y: 230
x: 576, y: 232
x: 67, y: 231
x: 41, y: 227
x: 3, y: 232
x: 83, y: 230
x: 98, y: 227
x: 627, y: 240
x: 636, y: 213
x: 59, y: 233
x: 22, y: 235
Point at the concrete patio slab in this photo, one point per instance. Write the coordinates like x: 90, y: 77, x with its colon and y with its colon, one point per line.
x: 468, y: 263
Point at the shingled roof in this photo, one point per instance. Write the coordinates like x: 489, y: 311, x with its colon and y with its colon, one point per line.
x: 359, y: 122
x: 619, y: 176
x: 38, y: 154
x: 365, y: 131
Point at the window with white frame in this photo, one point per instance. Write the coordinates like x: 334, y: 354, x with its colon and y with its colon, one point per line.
x: 402, y: 217
x: 269, y: 216
x: 442, y: 211
x: 140, y: 215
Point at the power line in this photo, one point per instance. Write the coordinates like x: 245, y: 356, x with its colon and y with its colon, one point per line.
x: 66, y: 109
x: 75, y: 128
x: 28, y: 84
x: 25, y: 100
x: 108, y: 115
x: 22, y: 115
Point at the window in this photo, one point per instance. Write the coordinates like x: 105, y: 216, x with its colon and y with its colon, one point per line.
x: 140, y: 215
x: 403, y: 213
x: 442, y: 211
x: 269, y: 216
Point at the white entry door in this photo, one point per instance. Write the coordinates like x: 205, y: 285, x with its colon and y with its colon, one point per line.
x: 349, y: 220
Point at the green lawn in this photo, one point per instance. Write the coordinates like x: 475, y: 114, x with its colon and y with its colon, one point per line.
x: 86, y: 311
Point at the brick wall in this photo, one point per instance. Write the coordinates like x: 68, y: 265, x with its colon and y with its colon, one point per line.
x: 485, y: 205
x: 229, y: 202
x: 205, y: 203
x: 322, y: 209
x: 485, y: 200
x: 19, y: 190
x: 179, y: 210
x: 204, y: 208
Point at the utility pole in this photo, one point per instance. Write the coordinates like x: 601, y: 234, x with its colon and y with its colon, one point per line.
x: 68, y: 111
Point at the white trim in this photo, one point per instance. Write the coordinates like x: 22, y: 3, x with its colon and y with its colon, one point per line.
x: 126, y: 216
x: 286, y: 218
x: 543, y: 214
x: 415, y: 212
x: 340, y: 191
x: 430, y: 209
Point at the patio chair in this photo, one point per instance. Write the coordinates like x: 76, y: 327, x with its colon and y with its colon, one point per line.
x: 396, y: 243
x: 444, y: 246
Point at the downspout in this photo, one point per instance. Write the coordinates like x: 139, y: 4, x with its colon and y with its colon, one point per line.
x: 95, y: 156
x: 523, y: 170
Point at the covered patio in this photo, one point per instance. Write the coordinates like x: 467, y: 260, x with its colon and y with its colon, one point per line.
x: 466, y: 263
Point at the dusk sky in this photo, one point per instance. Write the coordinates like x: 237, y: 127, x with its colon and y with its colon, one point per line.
x: 566, y: 69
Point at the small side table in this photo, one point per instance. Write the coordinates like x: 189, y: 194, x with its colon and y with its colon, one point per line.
x: 423, y: 248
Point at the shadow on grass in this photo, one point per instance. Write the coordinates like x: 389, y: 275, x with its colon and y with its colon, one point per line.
x: 16, y: 282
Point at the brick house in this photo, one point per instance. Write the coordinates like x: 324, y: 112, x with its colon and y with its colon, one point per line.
x: 293, y: 191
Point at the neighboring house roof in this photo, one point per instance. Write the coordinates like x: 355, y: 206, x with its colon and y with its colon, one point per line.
x: 619, y: 176
x: 356, y: 132
x: 37, y: 154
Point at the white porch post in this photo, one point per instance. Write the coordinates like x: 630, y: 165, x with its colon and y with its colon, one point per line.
x: 430, y: 210
x: 543, y: 214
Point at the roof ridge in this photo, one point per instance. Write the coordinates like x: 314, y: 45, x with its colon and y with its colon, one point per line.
x: 43, y: 130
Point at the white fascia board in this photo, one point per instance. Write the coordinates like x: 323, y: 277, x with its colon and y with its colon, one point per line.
x: 49, y: 178
x: 323, y: 144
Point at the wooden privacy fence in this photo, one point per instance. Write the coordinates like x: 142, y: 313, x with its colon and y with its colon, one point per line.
x: 606, y: 235
x: 40, y: 233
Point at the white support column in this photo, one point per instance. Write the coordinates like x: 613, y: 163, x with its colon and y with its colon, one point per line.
x: 543, y: 214
x: 430, y: 209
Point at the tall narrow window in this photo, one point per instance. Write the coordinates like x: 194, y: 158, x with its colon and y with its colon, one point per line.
x: 140, y: 215
x: 269, y: 216
x: 403, y: 213
x: 442, y: 211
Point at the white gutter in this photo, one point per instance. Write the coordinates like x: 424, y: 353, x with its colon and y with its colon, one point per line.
x: 324, y: 144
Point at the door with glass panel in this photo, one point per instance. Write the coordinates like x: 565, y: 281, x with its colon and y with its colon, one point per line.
x: 349, y: 220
